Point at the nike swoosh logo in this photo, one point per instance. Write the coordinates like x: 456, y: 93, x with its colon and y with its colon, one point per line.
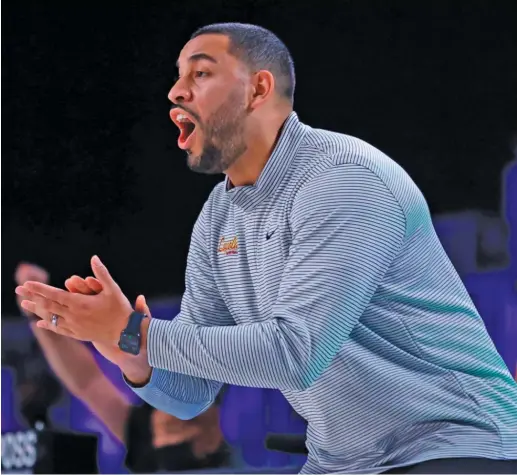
x: 269, y: 234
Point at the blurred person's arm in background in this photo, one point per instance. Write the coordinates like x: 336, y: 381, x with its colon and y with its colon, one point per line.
x: 75, y: 366
x: 211, y: 436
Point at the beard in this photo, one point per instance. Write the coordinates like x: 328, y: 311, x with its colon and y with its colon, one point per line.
x: 223, y: 136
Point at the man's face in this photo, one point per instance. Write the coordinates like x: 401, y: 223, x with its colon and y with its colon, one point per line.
x: 211, y: 104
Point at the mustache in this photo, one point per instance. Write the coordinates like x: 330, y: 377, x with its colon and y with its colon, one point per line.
x: 187, y: 110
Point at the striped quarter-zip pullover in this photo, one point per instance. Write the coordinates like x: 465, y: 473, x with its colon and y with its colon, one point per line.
x: 326, y: 280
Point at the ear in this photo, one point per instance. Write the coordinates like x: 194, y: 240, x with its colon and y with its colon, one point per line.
x: 263, y: 83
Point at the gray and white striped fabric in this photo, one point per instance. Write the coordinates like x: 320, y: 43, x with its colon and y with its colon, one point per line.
x: 327, y: 281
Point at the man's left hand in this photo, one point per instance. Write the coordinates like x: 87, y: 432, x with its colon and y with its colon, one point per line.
x: 99, y: 318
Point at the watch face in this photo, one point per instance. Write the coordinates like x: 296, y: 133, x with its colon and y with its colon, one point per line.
x: 130, y: 343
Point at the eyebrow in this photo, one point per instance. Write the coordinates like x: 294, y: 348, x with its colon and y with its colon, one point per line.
x: 198, y: 57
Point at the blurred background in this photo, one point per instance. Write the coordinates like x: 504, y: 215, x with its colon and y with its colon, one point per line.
x: 90, y: 166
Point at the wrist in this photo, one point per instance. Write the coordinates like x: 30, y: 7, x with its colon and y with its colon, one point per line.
x: 132, y: 332
x: 120, y: 326
x: 136, y: 368
x: 144, y: 330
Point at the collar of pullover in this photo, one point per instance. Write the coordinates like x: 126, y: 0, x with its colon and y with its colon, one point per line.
x: 291, y: 136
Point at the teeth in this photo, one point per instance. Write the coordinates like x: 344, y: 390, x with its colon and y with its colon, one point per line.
x: 182, y: 118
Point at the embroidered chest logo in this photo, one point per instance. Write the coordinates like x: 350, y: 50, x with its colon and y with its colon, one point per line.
x: 228, y: 246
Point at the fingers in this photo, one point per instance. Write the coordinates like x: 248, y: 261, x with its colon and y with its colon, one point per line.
x: 88, y: 286
x: 71, y: 287
x: 59, y: 330
x: 41, y: 306
x: 46, y: 318
x: 101, y: 272
x: 47, y: 291
x: 94, y: 284
x: 77, y: 285
x: 141, y: 306
x: 31, y: 308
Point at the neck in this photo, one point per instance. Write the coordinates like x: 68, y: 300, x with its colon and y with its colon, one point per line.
x: 262, y: 138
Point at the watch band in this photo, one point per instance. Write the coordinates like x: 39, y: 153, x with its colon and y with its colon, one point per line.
x: 134, y: 323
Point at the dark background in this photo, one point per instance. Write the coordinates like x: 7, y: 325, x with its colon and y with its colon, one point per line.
x: 90, y: 163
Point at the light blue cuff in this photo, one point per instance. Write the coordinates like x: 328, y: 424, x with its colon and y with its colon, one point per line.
x: 165, y: 391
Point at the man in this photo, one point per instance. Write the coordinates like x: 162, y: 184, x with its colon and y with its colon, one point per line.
x: 313, y: 268
x: 155, y: 441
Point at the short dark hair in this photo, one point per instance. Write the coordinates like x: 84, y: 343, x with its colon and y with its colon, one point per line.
x: 258, y: 48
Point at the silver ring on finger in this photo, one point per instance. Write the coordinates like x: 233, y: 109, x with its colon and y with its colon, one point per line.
x: 53, y: 320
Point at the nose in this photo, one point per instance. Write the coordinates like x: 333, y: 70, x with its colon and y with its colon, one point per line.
x: 180, y: 92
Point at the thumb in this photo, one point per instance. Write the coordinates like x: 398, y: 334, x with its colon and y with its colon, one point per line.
x: 141, y: 306
x: 103, y: 276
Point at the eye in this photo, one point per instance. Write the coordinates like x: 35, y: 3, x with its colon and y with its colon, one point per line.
x: 201, y: 74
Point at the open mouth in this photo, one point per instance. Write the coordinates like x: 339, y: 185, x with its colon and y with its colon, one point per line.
x: 187, y: 128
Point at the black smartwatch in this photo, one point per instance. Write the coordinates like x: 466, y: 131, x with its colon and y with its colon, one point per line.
x: 131, y: 338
